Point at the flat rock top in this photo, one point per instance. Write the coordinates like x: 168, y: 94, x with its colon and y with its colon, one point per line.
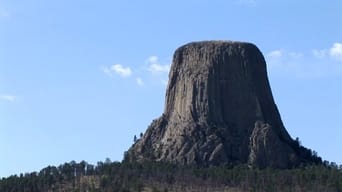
x: 214, y: 52
x: 218, y: 43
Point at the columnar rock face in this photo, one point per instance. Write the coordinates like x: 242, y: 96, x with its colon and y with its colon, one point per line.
x: 219, y: 110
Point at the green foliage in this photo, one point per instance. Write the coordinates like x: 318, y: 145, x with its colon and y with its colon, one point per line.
x: 148, y: 176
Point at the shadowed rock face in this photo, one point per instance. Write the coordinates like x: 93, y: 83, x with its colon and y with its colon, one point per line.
x: 219, y: 110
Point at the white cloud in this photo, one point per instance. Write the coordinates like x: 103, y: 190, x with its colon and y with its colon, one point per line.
x: 152, y: 59
x: 123, y: 71
x: 9, y: 98
x: 275, y: 54
x: 153, y: 71
x: 118, y: 69
x: 156, y: 67
x: 140, y: 82
x: 283, y: 54
x: 336, y: 51
x: 318, y: 64
x: 319, y: 53
x: 106, y: 70
x: 295, y: 55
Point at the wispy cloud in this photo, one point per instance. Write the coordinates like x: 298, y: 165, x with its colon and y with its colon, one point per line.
x: 117, y: 69
x: 8, y: 98
x: 320, y: 63
x: 275, y: 54
x: 280, y: 53
x: 139, y: 81
x: 334, y: 52
x: 155, y: 66
x: 295, y: 55
x: 151, y: 73
x: 319, y: 53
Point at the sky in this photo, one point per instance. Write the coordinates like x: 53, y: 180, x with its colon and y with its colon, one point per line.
x: 78, y: 79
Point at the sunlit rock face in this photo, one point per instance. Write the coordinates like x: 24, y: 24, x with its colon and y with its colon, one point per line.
x: 219, y: 110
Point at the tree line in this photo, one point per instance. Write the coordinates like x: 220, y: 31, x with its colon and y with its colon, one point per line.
x: 124, y: 176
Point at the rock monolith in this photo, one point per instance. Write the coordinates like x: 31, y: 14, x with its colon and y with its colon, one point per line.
x: 219, y: 110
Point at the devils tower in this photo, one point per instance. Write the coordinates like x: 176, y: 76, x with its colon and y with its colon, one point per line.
x: 219, y: 110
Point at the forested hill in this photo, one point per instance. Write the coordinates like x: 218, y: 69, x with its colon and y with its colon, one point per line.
x: 116, y: 176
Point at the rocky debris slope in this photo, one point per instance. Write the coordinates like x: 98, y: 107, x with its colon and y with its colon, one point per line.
x: 219, y: 110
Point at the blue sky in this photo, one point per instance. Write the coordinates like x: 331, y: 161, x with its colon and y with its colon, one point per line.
x: 78, y: 79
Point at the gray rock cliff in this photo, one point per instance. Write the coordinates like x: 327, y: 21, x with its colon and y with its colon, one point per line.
x: 219, y: 110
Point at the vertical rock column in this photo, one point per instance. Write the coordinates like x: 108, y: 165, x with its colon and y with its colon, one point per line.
x: 219, y: 109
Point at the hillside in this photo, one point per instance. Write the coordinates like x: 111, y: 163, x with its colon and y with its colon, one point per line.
x: 124, y: 177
